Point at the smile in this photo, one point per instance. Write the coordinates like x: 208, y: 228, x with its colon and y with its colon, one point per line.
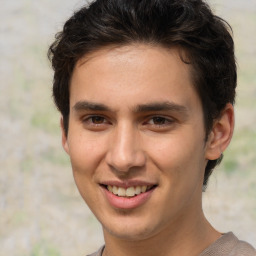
x: 128, y: 192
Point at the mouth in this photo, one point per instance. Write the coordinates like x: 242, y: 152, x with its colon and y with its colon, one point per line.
x: 127, y: 195
x: 128, y: 192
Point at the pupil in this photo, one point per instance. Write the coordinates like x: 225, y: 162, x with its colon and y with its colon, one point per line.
x: 97, y: 120
x: 159, y: 120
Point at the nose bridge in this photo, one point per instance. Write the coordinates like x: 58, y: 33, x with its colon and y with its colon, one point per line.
x: 125, y: 150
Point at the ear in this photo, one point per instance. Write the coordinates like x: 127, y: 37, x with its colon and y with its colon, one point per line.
x: 221, y: 133
x: 64, y: 136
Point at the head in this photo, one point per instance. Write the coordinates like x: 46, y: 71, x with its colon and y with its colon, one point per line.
x: 203, y: 39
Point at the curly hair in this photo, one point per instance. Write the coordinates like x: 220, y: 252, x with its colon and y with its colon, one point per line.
x: 205, y: 38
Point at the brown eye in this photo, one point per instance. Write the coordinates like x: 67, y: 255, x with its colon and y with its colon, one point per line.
x: 159, y: 120
x: 95, y: 123
x: 97, y: 119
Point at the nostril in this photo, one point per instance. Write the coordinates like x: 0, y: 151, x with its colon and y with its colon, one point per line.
x: 125, y: 162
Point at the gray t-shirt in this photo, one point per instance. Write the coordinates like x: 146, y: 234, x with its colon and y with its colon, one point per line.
x: 227, y: 245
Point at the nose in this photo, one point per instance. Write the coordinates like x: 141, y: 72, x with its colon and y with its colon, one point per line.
x: 125, y: 149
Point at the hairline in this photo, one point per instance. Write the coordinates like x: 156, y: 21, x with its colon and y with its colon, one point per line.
x: 183, y: 54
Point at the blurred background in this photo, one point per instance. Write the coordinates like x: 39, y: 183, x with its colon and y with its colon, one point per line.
x: 41, y: 212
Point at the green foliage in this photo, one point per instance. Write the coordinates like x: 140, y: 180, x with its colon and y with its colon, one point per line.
x: 240, y: 156
x: 56, y: 157
x: 19, y: 217
x: 230, y: 166
x: 27, y: 164
x: 43, y: 248
x: 46, y: 120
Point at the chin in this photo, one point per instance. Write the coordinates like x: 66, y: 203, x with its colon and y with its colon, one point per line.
x: 129, y: 230
x: 129, y: 235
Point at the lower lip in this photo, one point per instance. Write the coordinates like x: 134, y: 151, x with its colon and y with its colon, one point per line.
x: 127, y: 202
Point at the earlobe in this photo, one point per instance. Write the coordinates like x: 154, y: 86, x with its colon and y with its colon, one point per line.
x: 64, y: 137
x: 221, y: 133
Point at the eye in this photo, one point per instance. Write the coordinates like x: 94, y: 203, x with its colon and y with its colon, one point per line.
x: 160, y: 121
x: 97, y: 119
x: 95, y: 122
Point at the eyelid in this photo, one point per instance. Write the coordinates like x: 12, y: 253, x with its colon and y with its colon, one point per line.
x: 168, y: 120
x: 88, y: 119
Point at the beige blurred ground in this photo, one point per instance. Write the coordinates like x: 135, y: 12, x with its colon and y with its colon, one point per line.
x: 41, y: 212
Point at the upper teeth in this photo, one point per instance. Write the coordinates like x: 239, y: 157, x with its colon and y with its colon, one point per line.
x: 130, y: 191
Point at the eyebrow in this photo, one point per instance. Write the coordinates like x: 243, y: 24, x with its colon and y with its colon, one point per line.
x: 148, y: 107
x: 86, y: 105
x: 161, y: 106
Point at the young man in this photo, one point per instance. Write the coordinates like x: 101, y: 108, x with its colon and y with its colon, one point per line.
x: 146, y: 91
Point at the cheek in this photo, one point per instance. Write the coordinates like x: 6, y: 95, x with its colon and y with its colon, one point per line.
x: 178, y: 154
x: 170, y: 149
x: 85, y: 153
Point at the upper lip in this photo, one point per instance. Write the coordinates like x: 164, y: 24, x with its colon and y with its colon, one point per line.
x: 127, y: 183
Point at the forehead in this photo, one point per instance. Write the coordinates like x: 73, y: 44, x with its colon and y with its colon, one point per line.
x: 138, y: 70
x: 129, y: 52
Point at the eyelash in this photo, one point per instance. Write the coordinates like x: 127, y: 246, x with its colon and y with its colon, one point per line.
x: 91, y: 121
x: 163, y: 121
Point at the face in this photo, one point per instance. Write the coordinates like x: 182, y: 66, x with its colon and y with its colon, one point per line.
x: 136, y: 140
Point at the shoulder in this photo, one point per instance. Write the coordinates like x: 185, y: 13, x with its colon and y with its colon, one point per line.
x: 243, y: 249
x: 98, y: 253
x: 229, y: 245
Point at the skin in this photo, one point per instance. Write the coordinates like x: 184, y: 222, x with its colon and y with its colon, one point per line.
x: 116, y: 133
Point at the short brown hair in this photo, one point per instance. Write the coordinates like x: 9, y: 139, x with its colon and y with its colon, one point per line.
x: 188, y: 24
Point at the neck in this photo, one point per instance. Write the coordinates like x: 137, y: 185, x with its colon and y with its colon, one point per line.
x: 184, y: 240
